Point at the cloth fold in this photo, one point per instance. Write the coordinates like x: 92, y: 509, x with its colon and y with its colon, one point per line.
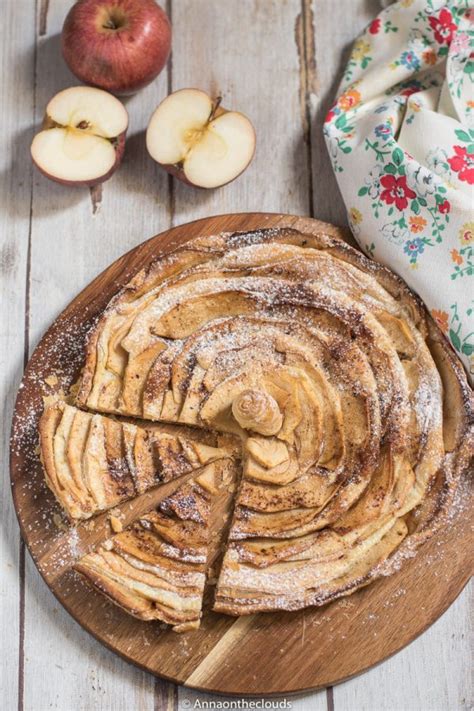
x: 401, y: 141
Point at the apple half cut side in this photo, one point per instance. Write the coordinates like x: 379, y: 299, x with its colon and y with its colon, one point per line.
x: 83, y: 137
x: 198, y: 141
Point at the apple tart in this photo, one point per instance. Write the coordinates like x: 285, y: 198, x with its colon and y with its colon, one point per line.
x: 156, y: 568
x: 354, y: 415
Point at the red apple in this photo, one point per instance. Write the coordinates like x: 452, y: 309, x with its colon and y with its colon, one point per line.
x: 117, y: 45
x: 83, y: 137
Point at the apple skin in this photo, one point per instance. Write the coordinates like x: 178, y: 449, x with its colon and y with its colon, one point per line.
x: 177, y: 172
x: 120, y: 59
x: 119, y: 151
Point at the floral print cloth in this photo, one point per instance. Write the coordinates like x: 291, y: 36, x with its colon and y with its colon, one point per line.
x: 401, y: 141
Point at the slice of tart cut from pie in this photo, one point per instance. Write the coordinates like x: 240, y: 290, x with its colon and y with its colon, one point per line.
x: 156, y: 568
x: 93, y: 462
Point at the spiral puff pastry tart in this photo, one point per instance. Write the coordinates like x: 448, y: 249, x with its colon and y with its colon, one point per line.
x: 355, y: 416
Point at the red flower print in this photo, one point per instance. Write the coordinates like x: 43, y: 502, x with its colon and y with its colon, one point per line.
x: 330, y: 116
x: 444, y: 207
x: 396, y: 191
x: 443, y: 27
x: 374, y: 26
x: 409, y: 90
x: 463, y: 164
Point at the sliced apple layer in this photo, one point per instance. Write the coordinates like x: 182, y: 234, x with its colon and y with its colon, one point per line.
x: 198, y: 141
x: 83, y: 137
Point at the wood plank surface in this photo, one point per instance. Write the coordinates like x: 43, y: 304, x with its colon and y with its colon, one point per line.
x: 278, y: 61
x: 432, y: 673
x: 17, y: 41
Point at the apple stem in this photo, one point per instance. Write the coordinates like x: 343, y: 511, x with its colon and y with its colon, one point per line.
x: 114, y: 19
x: 215, y: 106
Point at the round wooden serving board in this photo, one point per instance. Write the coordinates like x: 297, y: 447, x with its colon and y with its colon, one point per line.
x: 268, y: 653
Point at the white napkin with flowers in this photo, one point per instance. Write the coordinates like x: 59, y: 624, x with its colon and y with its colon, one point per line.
x: 401, y: 141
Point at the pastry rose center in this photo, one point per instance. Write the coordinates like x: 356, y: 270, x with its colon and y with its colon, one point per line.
x: 258, y: 411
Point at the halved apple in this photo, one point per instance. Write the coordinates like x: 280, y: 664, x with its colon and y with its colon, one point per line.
x: 198, y: 141
x: 83, y: 137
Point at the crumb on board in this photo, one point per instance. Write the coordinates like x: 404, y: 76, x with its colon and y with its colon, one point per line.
x: 59, y: 522
x: 51, y: 399
x: 117, y: 513
x: 115, y: 524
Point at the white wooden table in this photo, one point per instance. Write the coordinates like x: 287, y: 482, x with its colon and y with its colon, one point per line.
x: 278, y: 61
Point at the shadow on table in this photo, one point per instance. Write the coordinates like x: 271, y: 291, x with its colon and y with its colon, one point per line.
x: 327, y: 200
